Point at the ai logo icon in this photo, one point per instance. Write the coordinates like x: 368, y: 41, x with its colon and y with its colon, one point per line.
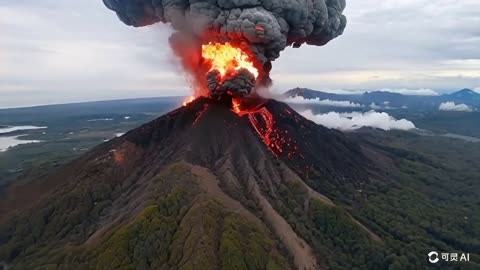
x: 433, y: 257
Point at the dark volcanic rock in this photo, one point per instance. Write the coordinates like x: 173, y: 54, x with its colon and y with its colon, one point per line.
x: 202, y: 180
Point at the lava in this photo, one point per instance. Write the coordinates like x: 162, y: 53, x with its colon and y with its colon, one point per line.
x: 188, y: 100
x: 263, y: 123
x: 200, y: 114
x: 226, y: 57
x: 236, y: 106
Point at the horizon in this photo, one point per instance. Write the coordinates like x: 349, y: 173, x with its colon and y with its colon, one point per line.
x: 79, y: 51
x: 338, y: 92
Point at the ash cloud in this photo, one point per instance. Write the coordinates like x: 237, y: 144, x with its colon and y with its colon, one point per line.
x: 268, y: 25
x: 356, y: 120
x: 264, y: 27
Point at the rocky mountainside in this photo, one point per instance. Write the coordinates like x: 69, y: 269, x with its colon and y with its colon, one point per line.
x: 207, y: 186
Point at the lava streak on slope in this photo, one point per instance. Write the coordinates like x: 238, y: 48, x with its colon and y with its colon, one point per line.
x: 263, y: 123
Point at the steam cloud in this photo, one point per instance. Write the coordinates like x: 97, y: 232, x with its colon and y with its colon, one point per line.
x: 263, y: 27
x: 356, y: 120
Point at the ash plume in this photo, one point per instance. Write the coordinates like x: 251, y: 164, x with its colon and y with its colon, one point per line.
x: 263, y: 27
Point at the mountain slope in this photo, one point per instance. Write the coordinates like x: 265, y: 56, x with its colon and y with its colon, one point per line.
x: 466, y: 96
x: 202, y: 187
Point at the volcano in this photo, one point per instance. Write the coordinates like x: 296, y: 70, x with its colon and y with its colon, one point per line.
x: 241, y: 184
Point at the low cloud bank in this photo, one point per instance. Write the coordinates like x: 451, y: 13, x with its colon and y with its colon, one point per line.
x: 324, y: 102
x: 451, y: 106
x: 356, y: 120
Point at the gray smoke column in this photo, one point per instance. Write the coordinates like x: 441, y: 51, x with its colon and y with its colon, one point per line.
x: 263, y: 27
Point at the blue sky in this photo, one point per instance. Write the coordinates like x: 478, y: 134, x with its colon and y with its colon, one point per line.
x: 67, y: 51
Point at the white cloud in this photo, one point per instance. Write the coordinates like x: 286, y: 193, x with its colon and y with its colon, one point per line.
x: 375, y: 106
x: 324, y: 102
x: 451, y: 106
x: 477, y: 89
x: 398, y: 44
x: 356, y: 120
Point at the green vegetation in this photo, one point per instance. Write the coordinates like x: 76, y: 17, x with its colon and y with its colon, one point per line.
x: 430, y: 203
x: 338, y: 241
x: 464, y: 123
x: 182, y: 228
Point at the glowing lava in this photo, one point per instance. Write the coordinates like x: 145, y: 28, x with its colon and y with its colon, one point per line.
x: 188, y: 100
x: 263, y: 123
x: 225, y: 58
x: 236, y: 106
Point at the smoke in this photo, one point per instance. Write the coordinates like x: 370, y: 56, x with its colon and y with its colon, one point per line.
x: 324, y: 102
x: 451, y: 106
x: 356, y: 120
x: 262, y: 27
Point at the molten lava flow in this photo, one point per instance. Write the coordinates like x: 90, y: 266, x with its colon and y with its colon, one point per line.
x: 236, y: 106
x: 263, y: 123
x: 225, y: 58
x: 200, y: 114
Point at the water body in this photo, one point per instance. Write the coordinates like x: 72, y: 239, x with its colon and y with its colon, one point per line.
x: 462, y: 137
x: 423, y: 132
x: 101, y: 119
x: 8, y: 142
x: 5, y: 130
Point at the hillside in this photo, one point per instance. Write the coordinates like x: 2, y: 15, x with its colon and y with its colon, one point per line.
x: 200, y: 187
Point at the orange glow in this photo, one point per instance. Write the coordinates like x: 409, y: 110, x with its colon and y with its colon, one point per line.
x: 188, y: 100
x: 225, y: 57
x: 236, y: 106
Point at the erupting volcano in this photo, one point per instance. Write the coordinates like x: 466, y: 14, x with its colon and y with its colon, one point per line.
x: 205, y: 186
x: 227, y: 47
x: 229, y: 181
x: 231, y: 71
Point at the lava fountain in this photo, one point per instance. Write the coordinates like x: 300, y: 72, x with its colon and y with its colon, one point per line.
x: 230, y: 70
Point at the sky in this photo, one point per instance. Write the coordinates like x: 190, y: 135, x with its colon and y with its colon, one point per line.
x: 69, y: 51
